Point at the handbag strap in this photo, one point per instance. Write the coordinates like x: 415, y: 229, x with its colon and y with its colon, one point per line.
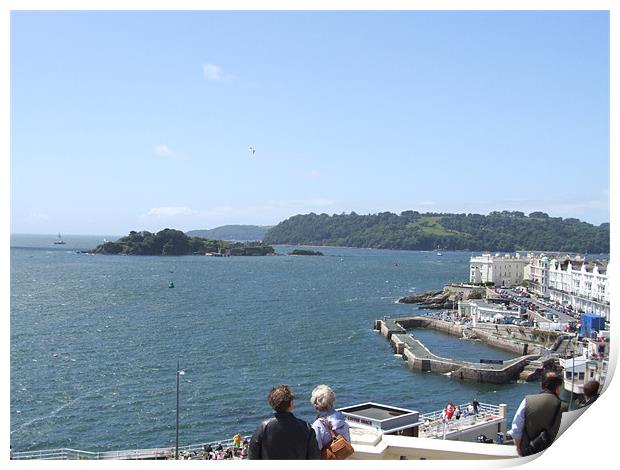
x: 329, y: 426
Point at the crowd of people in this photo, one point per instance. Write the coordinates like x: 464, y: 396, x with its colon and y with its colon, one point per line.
x: 285, y: 436
x: 455, y: 412
x: 238, y: 450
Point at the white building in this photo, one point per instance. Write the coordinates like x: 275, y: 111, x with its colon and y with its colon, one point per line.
x: 584, y: 285
x: 537, y: 273
x: 481, y: 311
x: 503, y: 271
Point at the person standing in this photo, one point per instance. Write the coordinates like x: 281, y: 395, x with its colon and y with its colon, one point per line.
x: 590, y: 393
x: 323, y: 399
x: 537, y: 420
x: 237, y: 441
x: 475, y: 406
x: 283, y: 436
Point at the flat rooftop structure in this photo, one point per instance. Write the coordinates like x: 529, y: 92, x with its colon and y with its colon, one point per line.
x: 383, y: 418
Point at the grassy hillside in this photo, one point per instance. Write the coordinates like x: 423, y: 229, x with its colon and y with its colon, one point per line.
x: 411, y: 230
x: 232, y: 232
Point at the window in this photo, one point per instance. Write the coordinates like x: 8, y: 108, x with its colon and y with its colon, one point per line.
x: 582, y: 375
x: 569, y: 375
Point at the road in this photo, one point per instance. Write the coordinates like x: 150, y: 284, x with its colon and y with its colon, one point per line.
x: 562, y: 317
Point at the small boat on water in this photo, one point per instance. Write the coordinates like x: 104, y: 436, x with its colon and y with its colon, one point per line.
x: 59, y: 241
x: 171, y: 285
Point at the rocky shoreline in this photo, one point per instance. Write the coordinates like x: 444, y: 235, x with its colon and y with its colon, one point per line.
x: 430, y: 300
x: 444, y: 299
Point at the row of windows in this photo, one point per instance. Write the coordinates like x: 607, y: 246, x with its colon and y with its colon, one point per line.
x: 569, y: 375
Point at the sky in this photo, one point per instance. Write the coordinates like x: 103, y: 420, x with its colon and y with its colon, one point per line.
x: 142, y: 120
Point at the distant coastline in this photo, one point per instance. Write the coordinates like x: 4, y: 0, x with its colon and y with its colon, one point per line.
x: 499, y: 231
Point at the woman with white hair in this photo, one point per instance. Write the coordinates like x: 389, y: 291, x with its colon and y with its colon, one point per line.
x: 323, y: 400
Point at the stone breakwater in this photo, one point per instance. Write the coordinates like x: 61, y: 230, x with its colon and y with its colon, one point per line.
x: 418, y: 357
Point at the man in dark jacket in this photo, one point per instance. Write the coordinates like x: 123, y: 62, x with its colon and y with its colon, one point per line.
x: 283, y: 436
x: 538, y: 417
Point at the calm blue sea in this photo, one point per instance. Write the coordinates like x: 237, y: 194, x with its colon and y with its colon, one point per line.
x: 95, y: 340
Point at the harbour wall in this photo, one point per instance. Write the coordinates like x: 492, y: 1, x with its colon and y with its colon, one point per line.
x: 418, y: 356
x: 518, y: 340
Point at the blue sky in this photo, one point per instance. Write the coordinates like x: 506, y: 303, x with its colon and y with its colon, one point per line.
x: 142, y: 120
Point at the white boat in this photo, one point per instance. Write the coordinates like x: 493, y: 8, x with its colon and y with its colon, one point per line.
x: 574, y: 373
x: 60, y: 241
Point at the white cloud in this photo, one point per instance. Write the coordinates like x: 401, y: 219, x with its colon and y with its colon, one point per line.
x: 37, y: 217
x: 169, y: 212
x: 164, y: 151
x: 212, y: 72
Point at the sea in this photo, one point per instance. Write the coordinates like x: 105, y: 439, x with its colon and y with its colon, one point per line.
x: 95, y: 340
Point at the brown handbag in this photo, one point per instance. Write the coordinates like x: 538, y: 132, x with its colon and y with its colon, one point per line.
x: 339, y: 448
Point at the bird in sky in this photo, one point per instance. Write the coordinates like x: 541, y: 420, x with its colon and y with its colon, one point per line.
x: 252, y: 150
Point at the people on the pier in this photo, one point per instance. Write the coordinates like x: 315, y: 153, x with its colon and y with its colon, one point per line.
x: 457, y: 412
x: 590, y: 393
x: 219, y: 447
x: 237, y: 441
x: 449, y: 411
x: 323, y: 399
x: 283, y: 436
x: 475, y: 404
x: 537, y: 419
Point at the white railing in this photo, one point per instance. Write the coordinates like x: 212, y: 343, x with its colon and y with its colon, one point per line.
x: 132, y: 454
x: 433, y: 424
x: 54, y: 454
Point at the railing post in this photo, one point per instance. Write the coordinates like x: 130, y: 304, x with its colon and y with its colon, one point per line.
x: 503, y: 414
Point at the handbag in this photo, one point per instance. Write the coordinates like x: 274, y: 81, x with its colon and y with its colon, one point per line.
x: 339, y: 448
x: 543, y: 440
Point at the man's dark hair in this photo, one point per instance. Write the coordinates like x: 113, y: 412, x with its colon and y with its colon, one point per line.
x: 551, y: 380
x: 280, y: 398
x: 590, y: 388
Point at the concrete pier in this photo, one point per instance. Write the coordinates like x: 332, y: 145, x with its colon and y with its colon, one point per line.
x: 419, y: 357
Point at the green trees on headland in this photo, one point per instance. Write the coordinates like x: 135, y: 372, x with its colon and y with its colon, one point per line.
x: 305, y: 253
x: 170, y: 242
x: 411, y: 230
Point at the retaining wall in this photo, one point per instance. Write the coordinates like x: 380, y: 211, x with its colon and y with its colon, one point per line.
x: 418, y: 357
